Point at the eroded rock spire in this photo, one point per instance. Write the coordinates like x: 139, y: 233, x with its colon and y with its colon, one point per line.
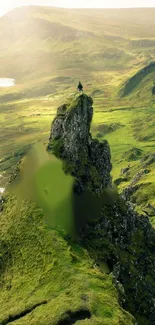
x: 87, y: 159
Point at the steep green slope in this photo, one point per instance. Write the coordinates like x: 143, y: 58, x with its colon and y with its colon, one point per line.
x: 44, y: 280
x: 134, y: 82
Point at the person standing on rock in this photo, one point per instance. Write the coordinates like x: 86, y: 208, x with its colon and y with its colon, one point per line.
x: 80, y: 87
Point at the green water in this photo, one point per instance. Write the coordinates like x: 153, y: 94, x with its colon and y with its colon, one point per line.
x: 42, y: 180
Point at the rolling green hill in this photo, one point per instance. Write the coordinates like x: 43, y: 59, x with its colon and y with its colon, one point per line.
x: 39, y: 42
x: 137, y: 81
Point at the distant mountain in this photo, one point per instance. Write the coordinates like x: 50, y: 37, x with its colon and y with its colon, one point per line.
x: 106, y: 44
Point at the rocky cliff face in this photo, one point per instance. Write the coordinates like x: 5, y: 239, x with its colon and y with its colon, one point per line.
x: 126, y: 241
x: 88, y: 160
x: 119, y: 236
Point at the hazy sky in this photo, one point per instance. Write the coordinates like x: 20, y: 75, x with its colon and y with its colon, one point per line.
x: 6, y: 5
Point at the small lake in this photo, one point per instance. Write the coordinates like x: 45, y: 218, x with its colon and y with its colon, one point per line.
x: 7, y: 82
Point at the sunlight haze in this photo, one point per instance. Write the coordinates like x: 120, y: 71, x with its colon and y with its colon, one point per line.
x: 10, y: 4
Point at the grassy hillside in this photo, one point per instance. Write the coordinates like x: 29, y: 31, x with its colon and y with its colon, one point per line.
x: 46, y: 281
x: 48, y: 50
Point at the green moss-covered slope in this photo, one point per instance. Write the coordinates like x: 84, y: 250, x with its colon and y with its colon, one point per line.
x: 44, y: 280
x: 134, y: 81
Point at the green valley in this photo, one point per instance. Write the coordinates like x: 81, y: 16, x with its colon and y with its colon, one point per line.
x: 49, y: 274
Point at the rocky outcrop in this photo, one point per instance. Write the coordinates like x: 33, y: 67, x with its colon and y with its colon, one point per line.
x: 86, y: 159
x: 116, y: 235
x: 126, y: 241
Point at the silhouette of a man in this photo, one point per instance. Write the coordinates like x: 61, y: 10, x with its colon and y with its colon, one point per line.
x: 80, y: 86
